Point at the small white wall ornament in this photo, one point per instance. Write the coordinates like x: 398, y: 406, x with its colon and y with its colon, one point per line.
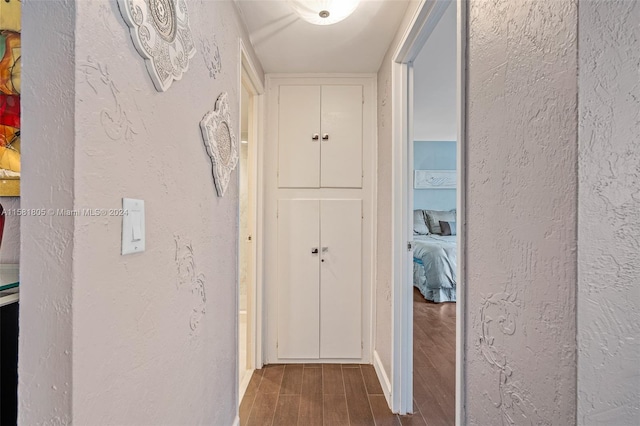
x: 161, y: 34
x: 221, y: 143
x: 435, y: 179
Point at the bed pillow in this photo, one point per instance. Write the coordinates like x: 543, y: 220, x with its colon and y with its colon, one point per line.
x: 435, y: 216
x: 448, y: 228
x: 419, y: 223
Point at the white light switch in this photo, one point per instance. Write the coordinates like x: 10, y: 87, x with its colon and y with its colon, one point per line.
x: 132, y: 226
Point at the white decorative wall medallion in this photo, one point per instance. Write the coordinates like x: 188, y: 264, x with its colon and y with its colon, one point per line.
x: 161, y: 34
x: 221, y: 143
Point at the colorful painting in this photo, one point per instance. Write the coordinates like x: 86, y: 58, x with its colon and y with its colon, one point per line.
x: 10, y: 97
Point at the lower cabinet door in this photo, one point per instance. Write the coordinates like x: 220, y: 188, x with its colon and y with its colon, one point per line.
x: 298, y: 279
x: 341, y: 279
x: 319, y: 279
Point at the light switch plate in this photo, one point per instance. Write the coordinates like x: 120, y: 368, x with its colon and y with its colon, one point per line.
x: 133, y: 235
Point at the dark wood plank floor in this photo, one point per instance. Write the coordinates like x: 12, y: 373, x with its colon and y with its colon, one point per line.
x: 434, y: 361
x: 350, y: 394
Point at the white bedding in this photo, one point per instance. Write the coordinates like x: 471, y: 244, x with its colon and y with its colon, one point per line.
x: 435, y: 266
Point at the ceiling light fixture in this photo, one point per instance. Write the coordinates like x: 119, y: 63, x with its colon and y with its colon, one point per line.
x: 323, y: 12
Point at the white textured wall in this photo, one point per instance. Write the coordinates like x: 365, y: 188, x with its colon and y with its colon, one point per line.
x: 154, y: 334
x: 46, y: 260
x: 434, y: 79
x: 383, y: 320
x: 609, y: 202
x: 521, y: 212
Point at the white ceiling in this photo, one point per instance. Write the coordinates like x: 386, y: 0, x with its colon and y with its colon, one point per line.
x: 286, y: 43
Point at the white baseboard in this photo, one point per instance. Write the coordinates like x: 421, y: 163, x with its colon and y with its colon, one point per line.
x: 236, y: 421
x: 244, y: 384
x: 383, y: 378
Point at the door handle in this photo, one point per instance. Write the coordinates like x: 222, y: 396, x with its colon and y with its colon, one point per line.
x: 325, y: 137
x: 314, y: 250
x: 315, y: 136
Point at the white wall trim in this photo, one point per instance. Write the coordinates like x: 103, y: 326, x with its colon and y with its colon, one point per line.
x: 402, y: 330
x: 251, y: 70
x: 236, y: 421
x: 383, y: 377
x: 248, y: 76
x: 424, y: 21
x: 244, y: 383
x: 374, y: 233
x: 277, y: 76
x: 259, y: 115
x: 461, y: 79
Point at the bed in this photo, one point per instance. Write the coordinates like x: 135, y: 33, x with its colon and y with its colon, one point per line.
x: 435, y: 256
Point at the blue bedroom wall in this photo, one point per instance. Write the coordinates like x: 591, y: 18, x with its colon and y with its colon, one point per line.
x: 434, y: 155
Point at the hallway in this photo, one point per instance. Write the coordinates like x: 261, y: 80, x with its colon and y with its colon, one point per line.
x: 315, y: 394
x: 350, y: 394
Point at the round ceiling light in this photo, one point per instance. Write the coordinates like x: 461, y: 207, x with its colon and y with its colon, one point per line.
x: 323, y: 12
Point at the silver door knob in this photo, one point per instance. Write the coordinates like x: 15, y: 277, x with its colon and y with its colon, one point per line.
x: 325, y: 249
x: 325, y: 137
x: 315, y: 136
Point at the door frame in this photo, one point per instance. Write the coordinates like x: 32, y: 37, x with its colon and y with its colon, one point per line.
x: 250, y: 78
x: 427, y: 16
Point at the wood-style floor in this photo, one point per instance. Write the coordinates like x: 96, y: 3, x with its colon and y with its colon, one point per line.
x: 350, y: 394
x: 434, y: 361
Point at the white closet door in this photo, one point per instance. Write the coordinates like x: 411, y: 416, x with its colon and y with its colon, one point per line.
x: 298, y: 152
x: 341, y: 156
x: 298, y: 279
x: 341, y: 279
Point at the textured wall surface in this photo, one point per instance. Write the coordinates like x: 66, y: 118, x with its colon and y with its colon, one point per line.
x: 383, y: 320
x: 521, y: 216
x: 154, y: 333
x: 609, y: 202
x: 46, y: 260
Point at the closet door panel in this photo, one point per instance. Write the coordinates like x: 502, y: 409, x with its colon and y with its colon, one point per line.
x: 298, y: 279
x: 341, y: 152
x: 341, y: 279
x: 298, y: 152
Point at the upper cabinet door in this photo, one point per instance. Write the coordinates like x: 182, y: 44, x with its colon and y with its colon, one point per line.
x: 341, y: 152
x: 299, y: 137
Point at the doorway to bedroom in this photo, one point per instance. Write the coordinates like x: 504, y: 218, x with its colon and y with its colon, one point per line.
x: 434, y: 263
x: 430, y: 83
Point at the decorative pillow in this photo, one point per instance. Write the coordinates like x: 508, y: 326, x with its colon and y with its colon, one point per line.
x: 448, y: 228
x: 434, y: 217
x: 419, y: 224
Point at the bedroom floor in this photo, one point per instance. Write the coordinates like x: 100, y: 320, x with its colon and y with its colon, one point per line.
x: 434, y: 360
x: 350, y: 394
